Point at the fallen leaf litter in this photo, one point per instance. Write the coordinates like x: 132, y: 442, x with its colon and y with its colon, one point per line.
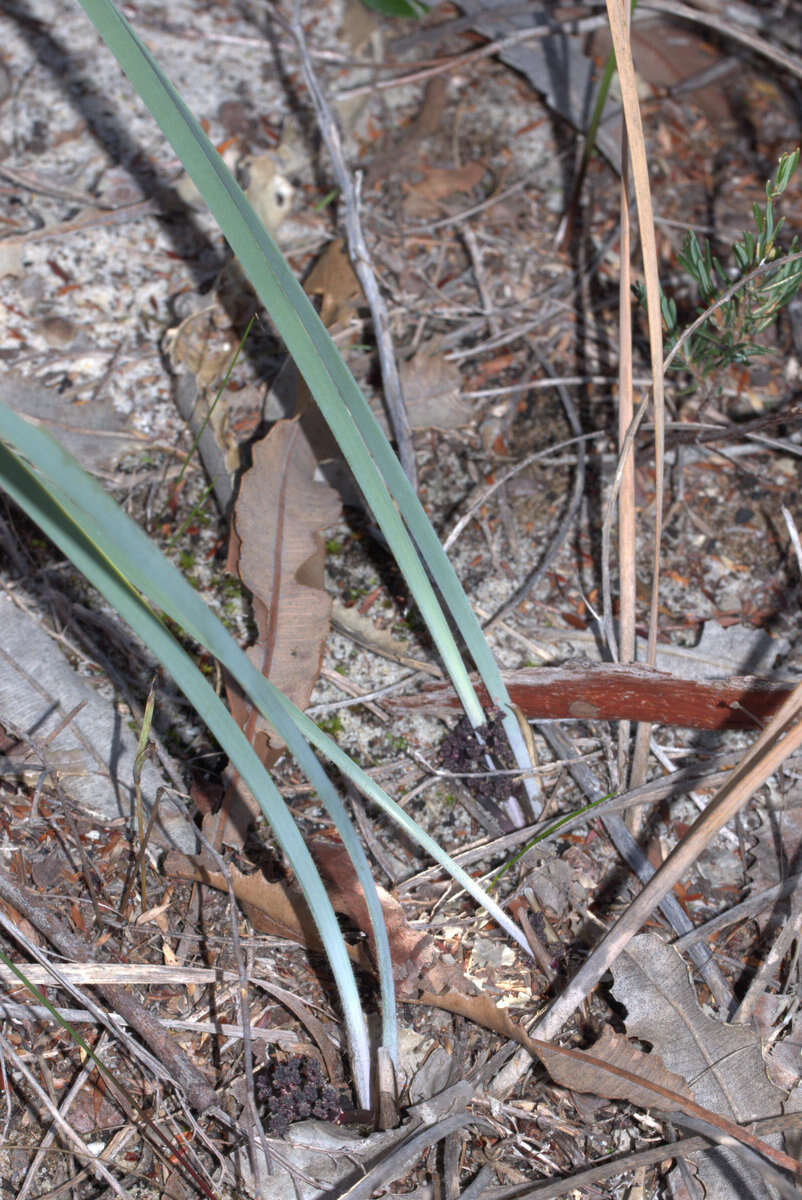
x: 101, y: 313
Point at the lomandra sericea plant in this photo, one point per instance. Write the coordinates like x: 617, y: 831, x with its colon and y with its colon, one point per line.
x: 128, y: 569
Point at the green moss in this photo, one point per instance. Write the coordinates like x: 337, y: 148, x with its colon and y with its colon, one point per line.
x: 331, y: 725
x: 229, y: 587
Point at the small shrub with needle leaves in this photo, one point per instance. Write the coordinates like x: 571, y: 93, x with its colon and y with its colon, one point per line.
x: 728, y: 335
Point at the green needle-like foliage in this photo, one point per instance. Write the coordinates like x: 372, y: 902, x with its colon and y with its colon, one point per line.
x: 727, y: 337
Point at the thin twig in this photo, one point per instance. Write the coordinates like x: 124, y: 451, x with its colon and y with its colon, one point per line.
x: 618, y: 14
x: 533, y: 385
x: 444, y: 222
x: 740, y: 912
x: 13, y: 1010
x: 781, y: 737
x: 794, y: 535
x: 788, y: 933
x: 65, y: 975
x: 475, y: 254
x: 533, y: 33
x: 389, y: 689
x: 254, y: 1124
x: 649, y: 793
x: 555, y: 546
x: 360, y: 257
x: 607, y: 525
x: 179, y: 1067
x: 568, y: 1185
x: 538, y: 456
x: 66, y: 1104
x: 81, y: 1147
x: 637, y: 861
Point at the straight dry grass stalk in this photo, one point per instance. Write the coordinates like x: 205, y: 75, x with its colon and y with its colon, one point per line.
x: 618, y: 11
x: 360, y: 257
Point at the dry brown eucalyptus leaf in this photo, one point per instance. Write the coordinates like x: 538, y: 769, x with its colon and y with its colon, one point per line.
x: 422, y: 197
x: 722, y: 1063
x: 432, y: 390
x: 671, y: 58
x: 278, y: 554
x: 418, y: 963
x: 585, y: 1075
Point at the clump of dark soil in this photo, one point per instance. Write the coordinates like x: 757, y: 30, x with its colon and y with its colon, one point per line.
x: 465, y: 750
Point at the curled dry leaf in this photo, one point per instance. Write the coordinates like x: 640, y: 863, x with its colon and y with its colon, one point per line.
x: 431, y: 386
x: 419, y: 964
x: 332, y: 278
x: 423, y: 196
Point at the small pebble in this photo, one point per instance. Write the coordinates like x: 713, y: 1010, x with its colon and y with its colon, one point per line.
x: 58, y: 332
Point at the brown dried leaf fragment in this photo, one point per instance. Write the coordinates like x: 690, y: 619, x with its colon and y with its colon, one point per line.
x: 419, y: 964
x: 333, y: 279
x: 424, y: 195
x: 278, y: 553
x: 588, y: 1075
x: 432, y: 390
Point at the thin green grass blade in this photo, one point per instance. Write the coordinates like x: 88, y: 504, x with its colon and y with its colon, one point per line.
x: 117, y: 537
x: 348, y: 415
x: 33, y: 495
x: 321, y: 365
